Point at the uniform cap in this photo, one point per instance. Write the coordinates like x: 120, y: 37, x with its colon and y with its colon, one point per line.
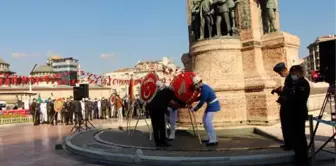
x: 159, y: 84
x: 279, y: 67
x: 196, y: 80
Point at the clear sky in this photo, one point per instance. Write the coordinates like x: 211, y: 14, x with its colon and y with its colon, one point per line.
x: 109, y: 34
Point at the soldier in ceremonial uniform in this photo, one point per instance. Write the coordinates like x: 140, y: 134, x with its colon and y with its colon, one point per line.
x: 298, y: 103
x: 89, y: 107
x: 207, y: 95
x: 103, y: 108
x: 157, y: 109
x: 34, y: 108
x: 285, y: 109
x: 62, y: 112
x: 51, y: 112
x: 69, y: 112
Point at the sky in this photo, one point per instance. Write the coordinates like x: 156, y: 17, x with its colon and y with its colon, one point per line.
x: 109, y: 34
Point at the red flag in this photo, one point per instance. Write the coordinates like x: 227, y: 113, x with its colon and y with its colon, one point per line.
x: 8, y: 81
x: 1, y: 80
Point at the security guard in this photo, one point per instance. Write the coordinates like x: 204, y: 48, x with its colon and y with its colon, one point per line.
x: 285, y: 109
x: 298, y: 101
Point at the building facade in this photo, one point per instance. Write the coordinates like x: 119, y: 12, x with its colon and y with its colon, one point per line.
x: 67, y: 67
x: 141, y: 69
x: 312, y: 61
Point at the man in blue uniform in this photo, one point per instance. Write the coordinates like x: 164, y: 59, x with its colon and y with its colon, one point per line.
x: 208, y: 96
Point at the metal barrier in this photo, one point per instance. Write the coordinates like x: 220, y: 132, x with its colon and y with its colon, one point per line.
x: 312, y: 137
x: 15, y: 120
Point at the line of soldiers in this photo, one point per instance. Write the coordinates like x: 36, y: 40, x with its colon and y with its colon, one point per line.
x: 90, y: 109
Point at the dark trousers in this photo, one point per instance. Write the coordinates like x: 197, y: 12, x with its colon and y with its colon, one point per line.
x: 103, y: 112
x: 62, y: 116
x: 88, y: 114
x: 286, y: 126
x: 69, y: 117
x: 36, y: 118
x: 158, y: 123
x: 95, y: 113
x: 300, y: 141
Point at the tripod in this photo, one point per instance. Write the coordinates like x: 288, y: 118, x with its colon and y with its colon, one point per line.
x: 142, y: 113
x: 79, y: 121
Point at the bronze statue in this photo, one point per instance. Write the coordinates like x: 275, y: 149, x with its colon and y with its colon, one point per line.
x: 206, y: 12
x: 195, y: 19
x: 268, y: 9
x: 233, y: 11
x: 222, y: 12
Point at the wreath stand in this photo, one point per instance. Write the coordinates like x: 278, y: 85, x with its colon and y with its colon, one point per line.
x: 142, y: 113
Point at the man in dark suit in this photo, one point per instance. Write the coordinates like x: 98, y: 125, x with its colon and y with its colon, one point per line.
x: 285, y: 109
x: 157, y: 109
x: 298, y: 102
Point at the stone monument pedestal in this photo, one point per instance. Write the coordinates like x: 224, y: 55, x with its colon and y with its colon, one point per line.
x: 240, y: 67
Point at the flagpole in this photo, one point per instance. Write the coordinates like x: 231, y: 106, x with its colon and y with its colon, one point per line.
x: 30, y: 84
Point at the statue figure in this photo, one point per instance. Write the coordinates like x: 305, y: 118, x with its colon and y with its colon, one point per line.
x: 222, y: 12
x: 233, y: 11
x: 195, y: 19
x: 268, y: 8
x: 206, y: 12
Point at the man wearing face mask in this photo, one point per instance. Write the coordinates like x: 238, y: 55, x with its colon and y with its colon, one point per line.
x: 157, y: 108
x: 285, y: 109
x: 298, y: 101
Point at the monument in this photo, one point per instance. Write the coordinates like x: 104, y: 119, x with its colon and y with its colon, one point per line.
x: 234, y: 45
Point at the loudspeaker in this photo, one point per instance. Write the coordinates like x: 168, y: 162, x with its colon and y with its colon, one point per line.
x: 78, y: 93
x: 327, y: 60
x: 85, y: 90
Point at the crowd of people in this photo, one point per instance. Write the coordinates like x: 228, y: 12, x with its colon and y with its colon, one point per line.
x: 104, y: 108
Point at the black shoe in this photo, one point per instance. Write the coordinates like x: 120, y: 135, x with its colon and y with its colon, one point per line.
x: 212, y: 144
x: 286, y: 147
x: 205, y: 141
x: 164, y: 144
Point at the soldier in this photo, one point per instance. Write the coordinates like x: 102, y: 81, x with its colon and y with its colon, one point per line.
x: 298, y: 101
x: 69, y: 112
x: 62, y: 111
x: 89, y: 107
x: 52, y: 116
x: 95, y: 109
x: 285, y: 109
x: 222, y: 12
x: 206, y: 12
x: 34, y: 109
x: 208, y: 96
x: 49, y: 110
x: 103, y: 108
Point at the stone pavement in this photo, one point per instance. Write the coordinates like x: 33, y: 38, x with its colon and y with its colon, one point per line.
x: 106, y: 149
x: 35, y: 146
